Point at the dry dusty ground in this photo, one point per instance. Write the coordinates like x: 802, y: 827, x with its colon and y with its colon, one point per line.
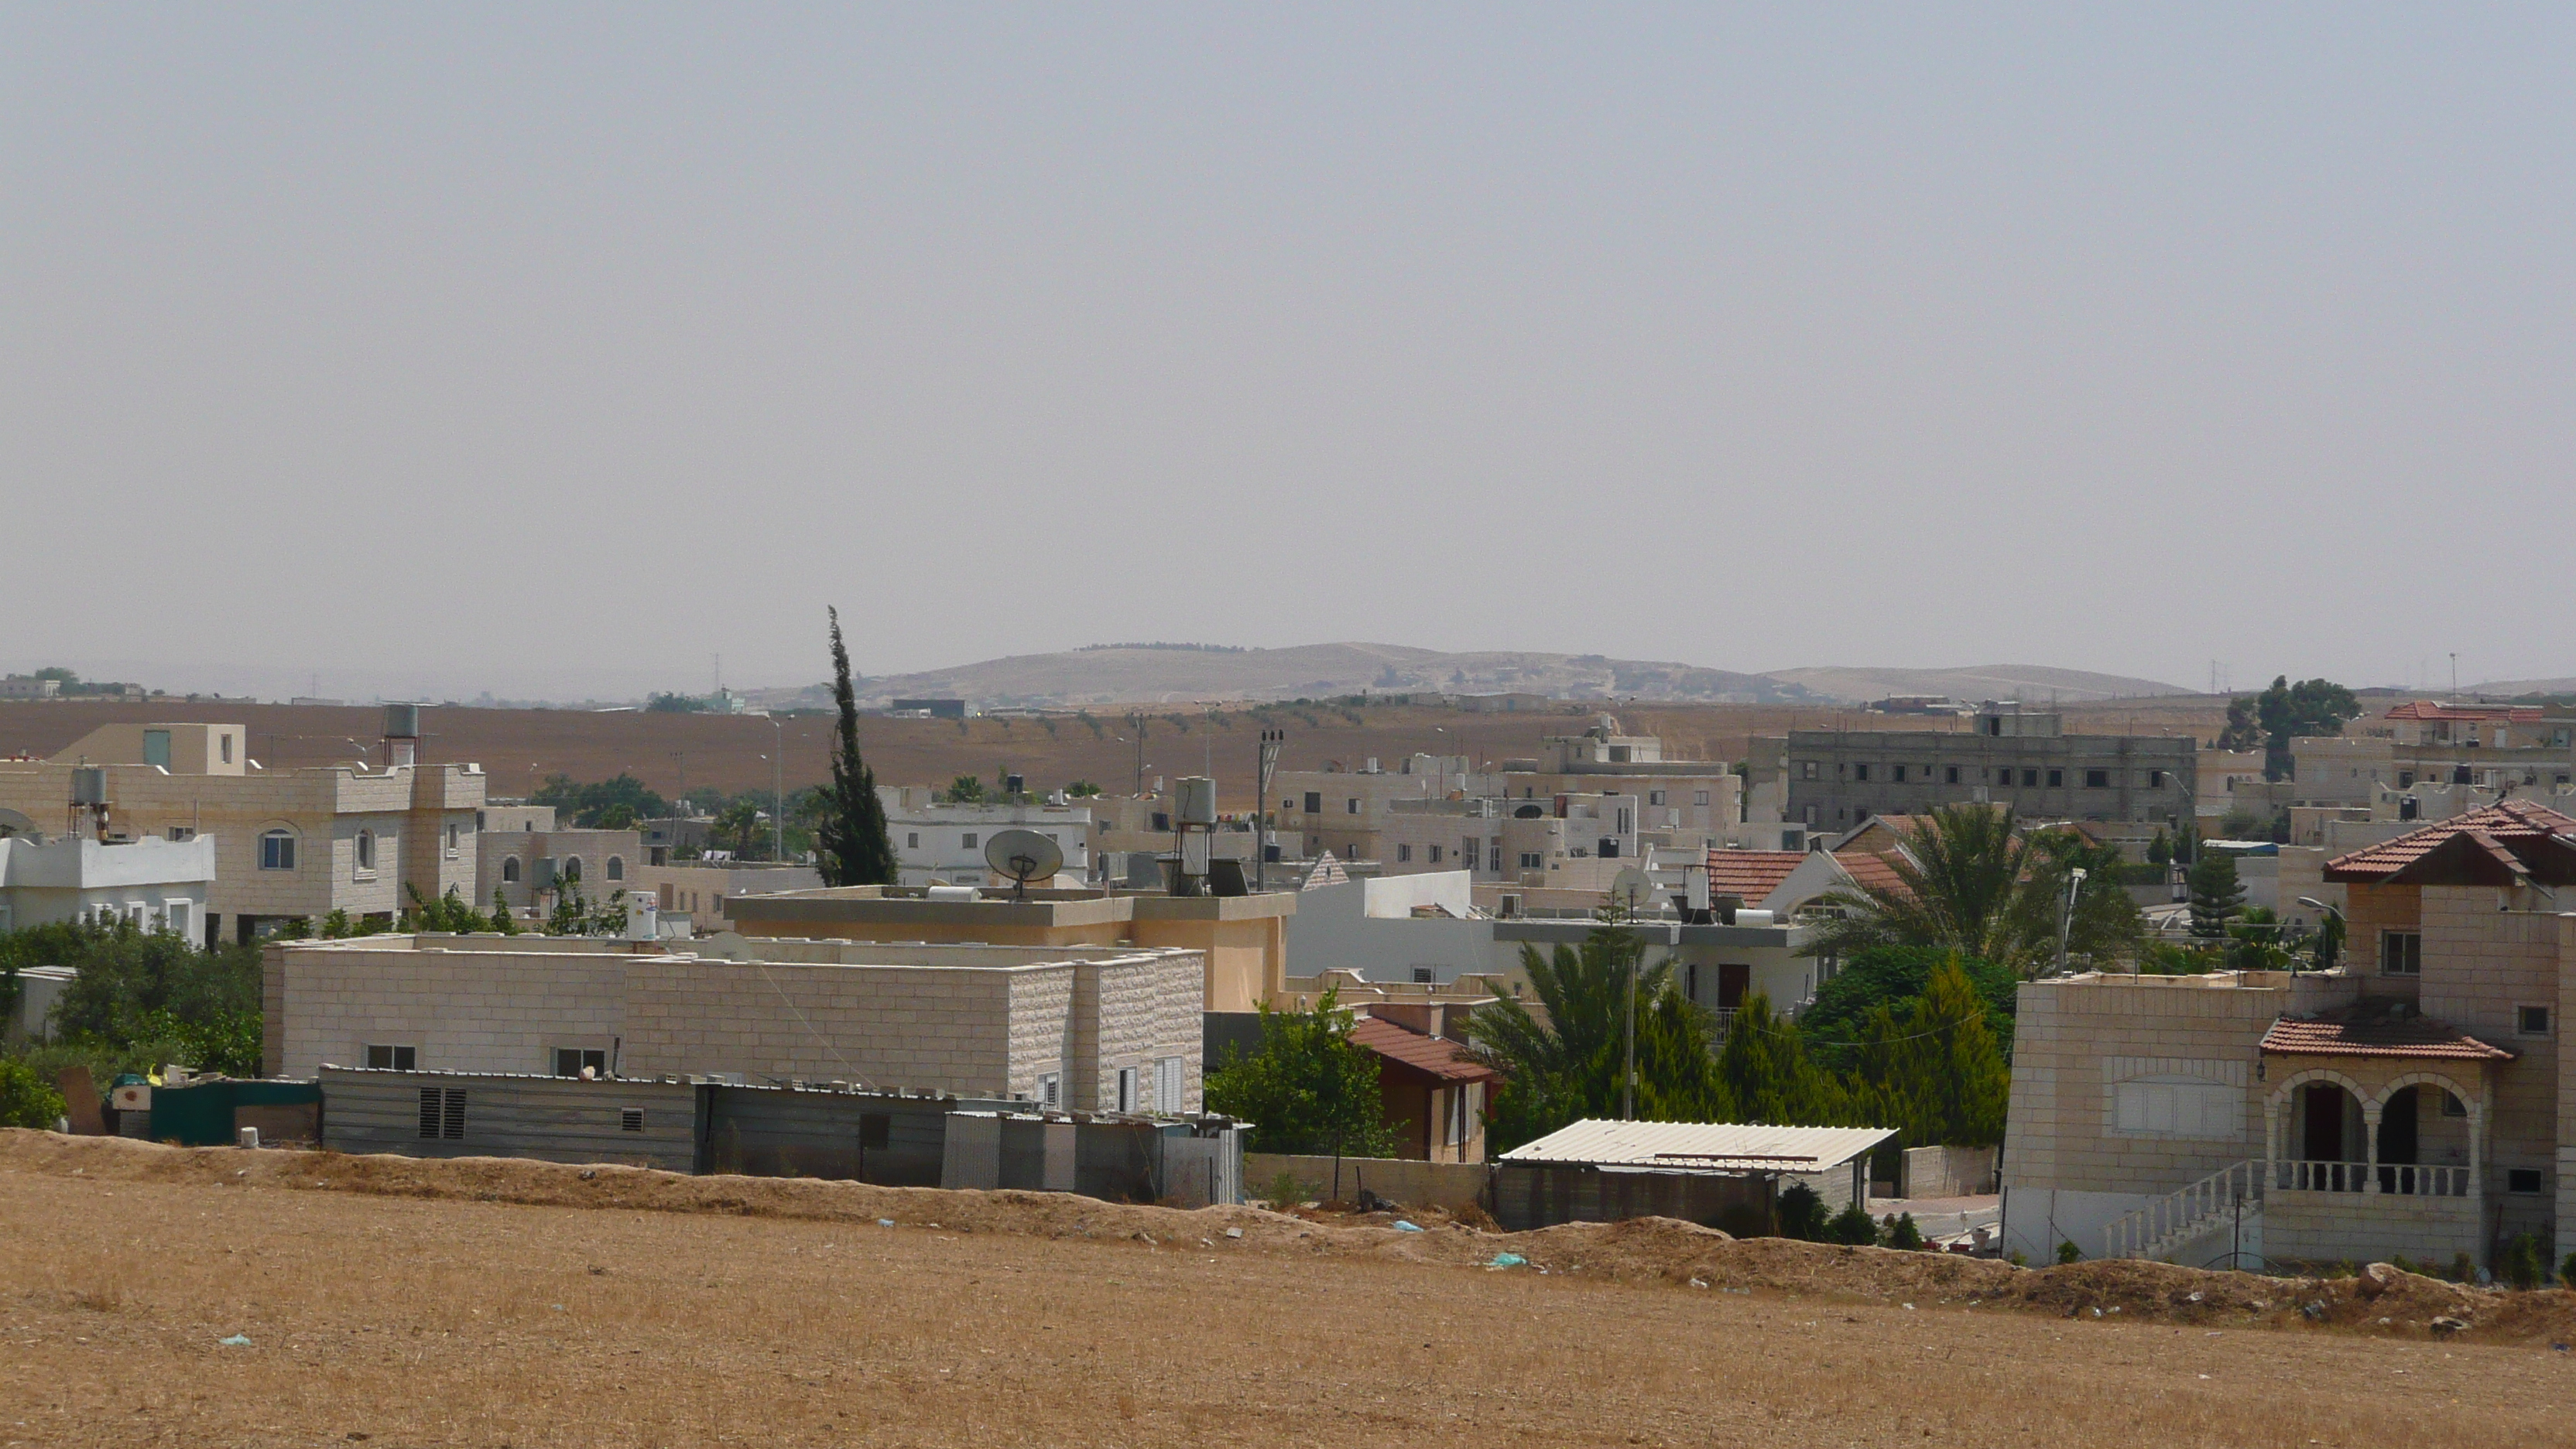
x: 419, y: 1303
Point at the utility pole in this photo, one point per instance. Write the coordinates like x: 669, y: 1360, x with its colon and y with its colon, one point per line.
x: 778, y: 796
x: 1628, y: 1073
x: 1268, y: 765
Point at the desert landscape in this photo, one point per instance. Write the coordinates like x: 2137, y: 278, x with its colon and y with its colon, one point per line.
x: 272, y: 1298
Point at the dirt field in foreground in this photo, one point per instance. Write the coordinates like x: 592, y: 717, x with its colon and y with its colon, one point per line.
x: 397, y: 1308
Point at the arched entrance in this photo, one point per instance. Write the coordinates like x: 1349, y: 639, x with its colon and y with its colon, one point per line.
x: 2328, y: 1136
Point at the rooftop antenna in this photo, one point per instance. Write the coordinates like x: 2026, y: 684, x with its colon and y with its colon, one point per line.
x: 1023, y: 856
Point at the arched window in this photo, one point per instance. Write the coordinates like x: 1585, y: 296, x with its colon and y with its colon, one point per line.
x: 572, y: 869
x: 617, y: 867
x: 366, y: 850
x: 277, y: 850
x: 510, y: 869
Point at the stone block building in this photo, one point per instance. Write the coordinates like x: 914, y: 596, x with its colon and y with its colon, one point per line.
x: 2003, y: 755
x: 1086, y: 1029
x: 2414, y: 1100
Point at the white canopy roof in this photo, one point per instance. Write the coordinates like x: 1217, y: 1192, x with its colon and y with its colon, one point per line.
x: 1698, y: 1147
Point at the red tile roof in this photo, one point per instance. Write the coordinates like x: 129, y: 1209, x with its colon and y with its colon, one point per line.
x: 1869, y: 869
x: 1432, y: 1056
x: 2435, y: 709
x: 2379, y: 1036
x: 2510, y: 835
x: 1751, y: 875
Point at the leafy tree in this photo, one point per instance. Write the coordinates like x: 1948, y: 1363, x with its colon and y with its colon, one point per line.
x: 1935, y: 1073
x: 136, y: 989
x: 1081, y: 790
x: 2328, y: 944
x: 675, y: 704
x: 2309, y: 707
x: 854, y: 844
x: 2102, y: 921
x: 964, y: 790
x: 1895, y: 977
x: 1568, y: 1068
x: 502, y: 920
x: 2217, y: 896
x: 592, y: 806
x: 27, y: 1099
x: 1769, y: 1077
x: 574, y: 915
x: 1902, y: 1233
x: 449, y: 912
x: 58, y: 674
x: 2160, y: 849
x: 2242, y: 731
x: 2524, y: 1266
x: 1306, y: 1088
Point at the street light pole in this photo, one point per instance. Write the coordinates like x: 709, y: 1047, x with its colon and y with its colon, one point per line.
x: 778, y: 796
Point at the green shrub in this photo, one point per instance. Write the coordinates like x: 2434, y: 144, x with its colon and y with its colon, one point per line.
x: 2567, y: 1271
x: 2069, y: 1253
x: 1902, y: 1233
x: 26, y: 1099
x: 1852, y: 1226
x: 1802, y: 1213
x: 2523, y: 1265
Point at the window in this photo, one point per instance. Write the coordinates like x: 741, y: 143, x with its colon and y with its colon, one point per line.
x: 1654, y: 797
x: 393, y: 1058
x: 2401, y: 953
x: 1171, y: 1081
x: 2522, y: 1180
x: 2030, y: 778
x: 876, y: 1131
x: 1860, y: 773
x: 2452, y: 1106
x: 2208, y: 1111
x: 1806, y: 769
x: 2155, y: 779
x: 1468, y: 855
x: 452, y: 834
x: 2531, y: 1020
x: 1435, y: 854
x: 277, y: 850
x: 1351, y: 807
x: 1314, y: 802
x: 630, y: 1119
x: 572, y: 1061
x: 1425, y: 975
x: 912, y: 840
x: 572, y: 870
x: 966, y: 840
x: 2097, y: 779
x: 183, y: 833
x: 156, y: 748
x: 1530, y: 860
x: 175, y: 916
x: 1699, y: 797
x: 1403, y: 853
x: 1162, y: 820
x: 1951, y: 775
x: 510, y: 870
x: 366, y: 850
x: 1050, y: 1089
x: 2056, y: 779
x: 617, y: 867
x: 442, y: 1112
x: 1690, y: 981
x: 227, y: 747
x: 1126, y: 1089
x: 1899, y: 776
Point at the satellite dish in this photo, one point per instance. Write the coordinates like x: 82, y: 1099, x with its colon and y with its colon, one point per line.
x: 1024, y: 856
x: 1629, y: 889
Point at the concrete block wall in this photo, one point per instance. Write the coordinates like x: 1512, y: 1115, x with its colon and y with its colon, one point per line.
x: 1144, y: 1013
x: 888, y: 1026
x: 2481, y: 964
x: 462, y: 1010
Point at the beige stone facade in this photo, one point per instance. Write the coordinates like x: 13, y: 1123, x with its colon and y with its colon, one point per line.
x: 288, y: 844
x: 1045, y: 1024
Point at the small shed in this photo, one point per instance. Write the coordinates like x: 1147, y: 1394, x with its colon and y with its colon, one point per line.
x: 1721, y: 1174
x: 892, y: 1139
x: 208, y: 1111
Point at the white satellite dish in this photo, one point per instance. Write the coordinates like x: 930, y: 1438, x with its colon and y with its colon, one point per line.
x: 1023, y: 856
x: 1629, y: 889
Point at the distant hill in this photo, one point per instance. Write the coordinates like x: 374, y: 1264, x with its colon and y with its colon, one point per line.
x: 1153, y: 674
x: 2514, y: 688
x: 2026, y: 682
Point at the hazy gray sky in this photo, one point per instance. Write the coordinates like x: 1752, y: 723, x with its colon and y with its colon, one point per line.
x: 511, y: 344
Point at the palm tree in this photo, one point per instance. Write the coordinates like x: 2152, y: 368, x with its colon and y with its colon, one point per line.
x: 1967, y: 880
x: 1567, y: 1066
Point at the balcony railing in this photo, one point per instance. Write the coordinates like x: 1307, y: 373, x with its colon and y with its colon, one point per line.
x: 2401, y: 1179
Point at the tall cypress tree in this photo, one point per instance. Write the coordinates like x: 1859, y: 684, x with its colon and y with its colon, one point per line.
x: 856, y: 847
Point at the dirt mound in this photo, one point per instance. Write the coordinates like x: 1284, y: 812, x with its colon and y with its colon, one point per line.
x: 1659, y: 1250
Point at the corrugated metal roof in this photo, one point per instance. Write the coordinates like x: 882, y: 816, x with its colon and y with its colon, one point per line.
x: 1699, y: 1146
